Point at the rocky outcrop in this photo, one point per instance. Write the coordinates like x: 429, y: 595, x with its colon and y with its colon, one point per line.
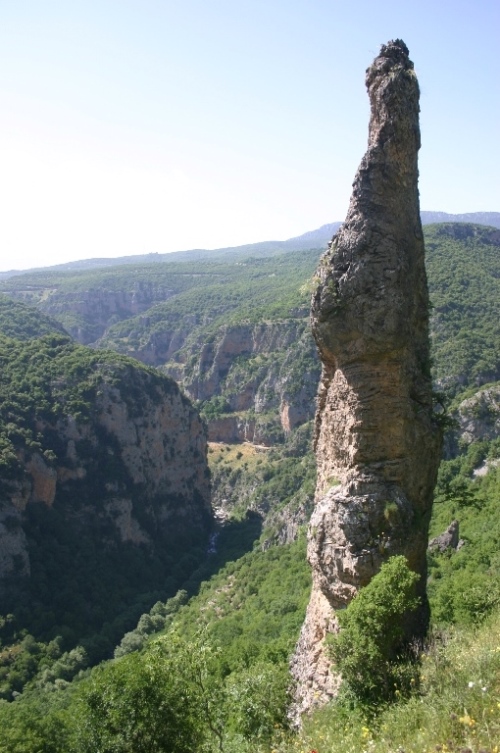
x: 376, y: 443
x: 466, y: 230
x: 259, y: 429
x: 449, y: 539
x: 475, y: 419
x: 284, y: 526
x: 234, y: 428
x: 478, y: 416
x: 266, y: 372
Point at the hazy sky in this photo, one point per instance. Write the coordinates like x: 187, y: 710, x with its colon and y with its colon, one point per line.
x: 137, y: 126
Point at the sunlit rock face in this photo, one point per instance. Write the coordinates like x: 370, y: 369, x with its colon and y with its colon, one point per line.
x: 377, y: 445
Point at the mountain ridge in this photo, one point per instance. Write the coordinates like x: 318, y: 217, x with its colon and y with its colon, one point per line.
x: 319, y: 237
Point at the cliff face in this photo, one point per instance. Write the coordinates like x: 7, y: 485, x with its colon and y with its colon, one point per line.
x: 93, y: 310
x: 117, y: 475
x: 266, y: 373
x: 376, y: 445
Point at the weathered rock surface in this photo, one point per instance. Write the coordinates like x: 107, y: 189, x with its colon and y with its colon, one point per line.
x: 286, y: 524
x: 449, y: 539
x: 475, y: 419
x: 478, y: 416
x: 376, y: 443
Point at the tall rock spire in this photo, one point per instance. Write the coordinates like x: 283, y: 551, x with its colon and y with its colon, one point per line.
x: 377, y: 446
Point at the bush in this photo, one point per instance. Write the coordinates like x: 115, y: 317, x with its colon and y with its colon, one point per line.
x: 369, y: 650
x: 154, y: 702
x: 258, y: 700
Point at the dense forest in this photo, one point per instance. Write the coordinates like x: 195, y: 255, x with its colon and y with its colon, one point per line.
x: 200, y: 663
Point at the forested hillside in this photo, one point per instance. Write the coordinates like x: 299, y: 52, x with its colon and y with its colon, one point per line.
x: 234, y: 332
x: 104, y: 494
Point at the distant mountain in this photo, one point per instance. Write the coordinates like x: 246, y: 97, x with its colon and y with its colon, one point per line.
x: 478, y: 218
x: 312, y: 239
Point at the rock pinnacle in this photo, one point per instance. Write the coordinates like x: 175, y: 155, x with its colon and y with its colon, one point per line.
x: 377, y: 444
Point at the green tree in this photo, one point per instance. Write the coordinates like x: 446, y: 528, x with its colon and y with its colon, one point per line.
x: 258, y: 701
x: 131, y: 706
x: 164, y: 700
x: 369, y: 649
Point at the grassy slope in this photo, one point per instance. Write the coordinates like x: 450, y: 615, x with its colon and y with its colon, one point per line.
x: 456, y: 708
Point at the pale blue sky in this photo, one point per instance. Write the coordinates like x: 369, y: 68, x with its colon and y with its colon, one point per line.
x: 146, y: 126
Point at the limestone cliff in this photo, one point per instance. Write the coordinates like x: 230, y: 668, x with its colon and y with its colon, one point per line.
x: 104, y: 473
x: 376, y: 444
x: 266, y: 373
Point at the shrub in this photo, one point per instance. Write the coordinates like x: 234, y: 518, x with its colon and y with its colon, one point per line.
x: 369, y: 650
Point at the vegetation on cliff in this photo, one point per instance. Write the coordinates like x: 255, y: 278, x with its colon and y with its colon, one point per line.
x: 23, y: 322
x: 89, y: 302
